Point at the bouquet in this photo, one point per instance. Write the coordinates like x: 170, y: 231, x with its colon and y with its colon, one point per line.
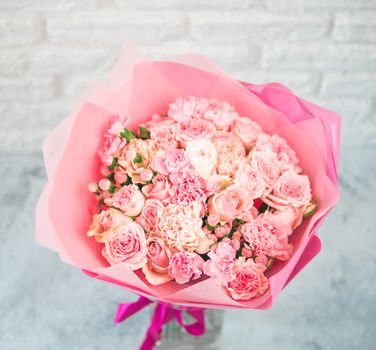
x: 189, y: 188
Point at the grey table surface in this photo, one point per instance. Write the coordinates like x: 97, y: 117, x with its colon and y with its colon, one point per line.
x: 47, y: 304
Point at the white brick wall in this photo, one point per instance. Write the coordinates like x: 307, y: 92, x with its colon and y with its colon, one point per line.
x: 325, y: 50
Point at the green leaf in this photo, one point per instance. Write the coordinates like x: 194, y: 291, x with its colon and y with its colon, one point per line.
x: 263, y: 208
x: 137, y: 159
x: 310, y: 210
x: 128, y: 135
x: 144, y: 133
x: 113, y: 164
x: 111, y: 188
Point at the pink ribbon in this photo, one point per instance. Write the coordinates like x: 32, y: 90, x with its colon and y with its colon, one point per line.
x: 163, y: 314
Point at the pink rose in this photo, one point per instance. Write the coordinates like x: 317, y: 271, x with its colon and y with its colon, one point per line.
x: 195, y: 129
x: 170, y: 162
x: 164, y: 136
x: 231, y: 153
x: 267, y: 165
x: 247, y: 176
x: 247, y: 131
x: 230, y: 203
x: 278, y: 145
x: 183, y: 109
x: 106, y: 220
x: 221, y: 264
x: 111, y: 147
x: 250, y: 281
x: 150, y: 215
x: 136, y: 157
x: 221, y: 113
x: 202, y: 156
x: 156, y: 269
x: 181, y: 228
x: 290, y: 216
x: 185, y: 266
x: 118, y: 124
x: 158, y: 189
x: 189, y: 188
x: 266, y: 235
x: 129, y: 199
x: 126, y: 244
x: 290, y: 189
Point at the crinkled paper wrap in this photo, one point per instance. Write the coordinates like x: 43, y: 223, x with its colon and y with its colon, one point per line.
x: 139, y: 87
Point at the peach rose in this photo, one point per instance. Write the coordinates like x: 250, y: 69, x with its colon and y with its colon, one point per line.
x: 247, y: 131
x: 180, y: 227
x: 158, y: 189
x: 156, y: 269
x: 231, y: 153
x: 185, y: 266
x: 195, y: 129
x: 247, y: 176
x: 202, y: 155
x: 291, y: 189
x: 129, y: 199
x: 267, y: 165
x: 106, y: 220
x: 249, y: 282
x: 150, y: 215
x: 126, y: 244
x: 230, y: 203
x: 136, y: 157
x: 290, y: 216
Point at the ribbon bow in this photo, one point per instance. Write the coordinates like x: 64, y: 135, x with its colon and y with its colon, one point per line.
x: 163, y: 314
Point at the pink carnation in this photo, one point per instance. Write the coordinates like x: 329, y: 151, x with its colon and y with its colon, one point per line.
x: 221, y: 113
x: 249, y: 281
x: 185, y: 266
x: 278, y: 145
x: 183, y: 109
x: 221, y: 264
x: 111, y: 147
x: 164, y: 136
x: 267, y: 236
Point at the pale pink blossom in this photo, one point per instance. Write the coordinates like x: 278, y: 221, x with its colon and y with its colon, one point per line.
x: 150, y: 215
x: 230, y: 203
x: 111, y: 147
x: 181, y: 228
x: 126, y: 244
x: 221, y: 263
x: 158, y: 189
x: 120, y: 177
x: 291, y: 189
x: 247, y: 131
x: 104, y: 184
x: 156, y: 268
x: 146, y: 174
x: 92, y: 187
x: 202, y: 155
x: 118, y: 124
x: 185, y: 266
x: 249, y: 282
x: 129, y: 199
x: 213, y: 219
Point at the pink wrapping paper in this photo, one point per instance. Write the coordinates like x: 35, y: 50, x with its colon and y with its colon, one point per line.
x: 140, y: 87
